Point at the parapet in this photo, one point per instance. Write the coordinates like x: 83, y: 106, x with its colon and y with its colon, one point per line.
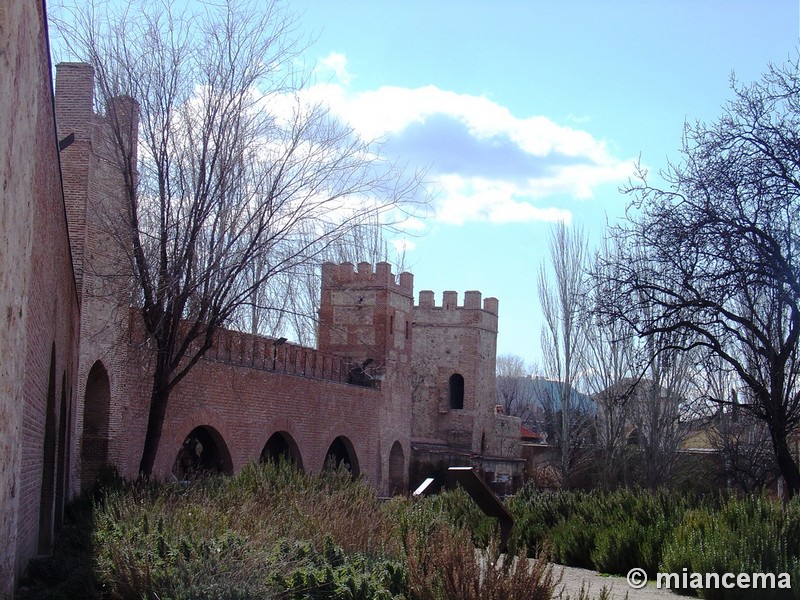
x: 472, y: 301
x: 346, y: 275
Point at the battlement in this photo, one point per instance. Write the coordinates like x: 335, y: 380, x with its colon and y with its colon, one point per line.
x: 346, y: 275
x: 472, y: 301
x: 264, y: 353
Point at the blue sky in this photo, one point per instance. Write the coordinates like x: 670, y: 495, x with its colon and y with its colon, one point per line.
x: 526, y: 112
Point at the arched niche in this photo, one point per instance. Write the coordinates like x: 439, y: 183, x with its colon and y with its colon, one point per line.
x: 397, y: 475
x: 342, y: 454
x: 203, y: 452
x: 281, y: 446
x: 96, y: 409
x: 47, y: 492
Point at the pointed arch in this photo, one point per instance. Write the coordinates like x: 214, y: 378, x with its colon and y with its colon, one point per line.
x: 62, y: 462
x: 397, y: 472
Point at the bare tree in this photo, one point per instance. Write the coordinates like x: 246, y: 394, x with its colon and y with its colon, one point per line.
x: 562, y: 285
x: 713, y: 253
x: 237, y: 183
x: 743, y: 443
x: 514, y: 392
x: 661, y: 409
x: 740, y: 439
x: 288, y: 305
x: 610, y: 362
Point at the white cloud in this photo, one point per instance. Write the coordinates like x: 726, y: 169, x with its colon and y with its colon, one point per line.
x: 474, y: 199
x: 403, y: 245
x: 485, y: 163
x: 335, y: 63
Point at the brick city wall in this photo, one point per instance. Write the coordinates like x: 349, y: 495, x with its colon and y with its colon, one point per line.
x: 69, y: 405
x: 94, y: 196
x: 246, y: 406
x: 307, y: 394
x: 39, y: 325
x: 235, y: 393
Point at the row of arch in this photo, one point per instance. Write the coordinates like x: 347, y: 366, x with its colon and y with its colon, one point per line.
x: 204, y: 450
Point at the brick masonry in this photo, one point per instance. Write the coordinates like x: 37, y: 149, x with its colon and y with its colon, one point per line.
x: 370, y: 332
x: 76, y: 366
x: 39, y: 316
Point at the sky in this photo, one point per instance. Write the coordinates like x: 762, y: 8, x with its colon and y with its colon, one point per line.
x: 527, y: 112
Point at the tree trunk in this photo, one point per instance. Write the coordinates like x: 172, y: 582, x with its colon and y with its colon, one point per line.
x: 155, y: 423
x: 786, y: 463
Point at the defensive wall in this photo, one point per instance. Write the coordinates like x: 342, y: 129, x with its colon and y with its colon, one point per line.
x: 379, y: 387
x: 378, y: 394
x: 39, y: 326
x: 255, y: 399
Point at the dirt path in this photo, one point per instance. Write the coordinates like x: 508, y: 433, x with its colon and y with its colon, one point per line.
x: 618, y: 586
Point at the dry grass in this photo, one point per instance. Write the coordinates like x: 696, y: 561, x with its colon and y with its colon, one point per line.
x: 445, y: 565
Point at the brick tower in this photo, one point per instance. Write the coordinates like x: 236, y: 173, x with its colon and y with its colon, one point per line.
x: 365, y: 318
x: 454, y: 420
x: 94, y: 194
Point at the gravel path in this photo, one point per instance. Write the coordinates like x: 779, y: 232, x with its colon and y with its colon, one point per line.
x: 618, y: 586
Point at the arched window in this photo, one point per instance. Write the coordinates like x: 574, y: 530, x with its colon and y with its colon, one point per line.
x: 456, y: 392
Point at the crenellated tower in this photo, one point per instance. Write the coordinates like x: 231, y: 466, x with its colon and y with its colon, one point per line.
x: 365, y: 318
x: 453, y: 390
x: 454, y: 369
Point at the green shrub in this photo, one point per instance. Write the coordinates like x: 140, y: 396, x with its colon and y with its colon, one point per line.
x: 333, y: 574
x: 274, y: 532
x: 608, y: 531
x: 217, y: 536
x: 536, y: 513
x: 571, y: 542
x: 632, y: 528
x: 750, y: 535
x: 454, y: 508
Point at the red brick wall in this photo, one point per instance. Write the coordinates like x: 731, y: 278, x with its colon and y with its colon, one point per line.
x: 365, y: 313
x: 93, y: 190
x: 233, y: 389
x: 247, y: 404
x: 39, y: 336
